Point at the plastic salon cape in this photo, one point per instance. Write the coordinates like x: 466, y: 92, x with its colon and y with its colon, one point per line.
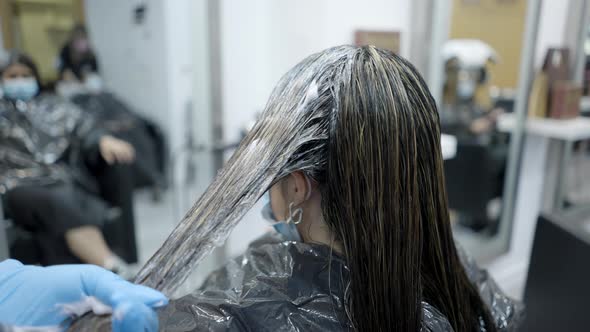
x: 118, y: 119
x: 45, y: 141
x: 290, y: 286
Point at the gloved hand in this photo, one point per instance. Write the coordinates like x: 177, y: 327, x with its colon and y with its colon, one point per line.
x: 50, y: 296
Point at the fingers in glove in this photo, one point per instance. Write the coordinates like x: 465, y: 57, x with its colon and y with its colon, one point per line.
x: 134, y: 316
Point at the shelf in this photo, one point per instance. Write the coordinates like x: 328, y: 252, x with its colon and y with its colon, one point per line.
x: 570, y: 130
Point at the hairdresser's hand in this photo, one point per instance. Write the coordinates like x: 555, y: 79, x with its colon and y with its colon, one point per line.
x: 114, y: 150
x: 50, y: 296
x: 69, y: 75
x: 481, y: 126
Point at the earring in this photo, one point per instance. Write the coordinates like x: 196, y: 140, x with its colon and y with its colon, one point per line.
x: 295, y: 216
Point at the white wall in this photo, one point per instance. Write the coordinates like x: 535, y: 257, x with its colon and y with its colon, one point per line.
x: 262, y: 39
x: 552, y: 24
x: 147, y: 65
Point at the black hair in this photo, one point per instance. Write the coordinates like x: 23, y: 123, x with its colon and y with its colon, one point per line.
x: 21, y: 58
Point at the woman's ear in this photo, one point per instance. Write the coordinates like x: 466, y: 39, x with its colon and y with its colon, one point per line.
x: 300, y: 187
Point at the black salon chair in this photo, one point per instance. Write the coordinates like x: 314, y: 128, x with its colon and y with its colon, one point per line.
x: 473, y: 178
x: 4, y: 225
x: 16, y: 242
x: 558, y: 282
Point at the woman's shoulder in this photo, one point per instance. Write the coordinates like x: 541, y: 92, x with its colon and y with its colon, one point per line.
x: 507, y: 312
x: 274, y: 284
x: 271, y: 261
x: 433, y: 320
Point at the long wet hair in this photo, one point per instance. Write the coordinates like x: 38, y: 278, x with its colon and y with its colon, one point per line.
x: 362, y: 123
x: 384, y: 197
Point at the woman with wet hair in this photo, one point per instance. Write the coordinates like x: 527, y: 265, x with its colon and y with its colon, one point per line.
x: 348, y: 153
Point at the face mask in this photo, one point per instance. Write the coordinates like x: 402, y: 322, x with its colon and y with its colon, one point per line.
x: 287, y: 230
x: 466, y: 89
x: 93, y: 83
x: 20, y: 88
x: 68, y: 89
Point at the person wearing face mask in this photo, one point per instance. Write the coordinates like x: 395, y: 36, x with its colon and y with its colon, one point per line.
x: 347, y: 155
x: 46, y: 145
x: 465, y: 115
x: 467, y: 73
x: 77, y: 58
x: 286, y: 226
x: 81, y: 83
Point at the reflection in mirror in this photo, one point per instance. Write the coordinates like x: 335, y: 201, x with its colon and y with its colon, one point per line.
x: 480, y: 62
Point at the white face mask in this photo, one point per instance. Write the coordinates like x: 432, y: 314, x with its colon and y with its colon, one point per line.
x: 287, y: 229
x: 93, y: 83
x: 465, y: 89
x: 69, y: 89
x: 22, y: 88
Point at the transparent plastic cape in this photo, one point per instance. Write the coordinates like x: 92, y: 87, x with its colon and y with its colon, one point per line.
x: 36, y: 136
x: 279, y: 285
x: 108, y: 110
x: 117, y: 118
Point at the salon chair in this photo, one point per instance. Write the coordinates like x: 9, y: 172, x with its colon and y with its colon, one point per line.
x: 4, y: 225
x: 20, y: 244
x: 558, y: 288
x: 16, y: 242
x: 473, y: 178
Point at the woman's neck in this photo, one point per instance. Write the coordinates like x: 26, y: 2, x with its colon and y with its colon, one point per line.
x: 313, y: 229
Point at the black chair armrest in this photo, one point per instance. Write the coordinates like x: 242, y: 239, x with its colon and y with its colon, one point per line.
x: 4, y: 224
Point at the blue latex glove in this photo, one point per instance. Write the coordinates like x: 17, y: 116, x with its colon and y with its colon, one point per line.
x: 51, y: 296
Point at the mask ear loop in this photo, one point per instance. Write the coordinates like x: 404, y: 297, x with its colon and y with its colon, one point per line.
x: 296, y: 215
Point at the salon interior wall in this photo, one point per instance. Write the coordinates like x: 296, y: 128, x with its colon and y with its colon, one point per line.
x: 148, y: 62
x: 161, y: 67
x: 262, y: 39
x: 552, y: 27
x: 157, y: 65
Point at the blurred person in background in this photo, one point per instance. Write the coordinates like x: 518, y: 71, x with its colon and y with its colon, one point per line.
x: 468, y: 114
x: 465, y: 112
x: 77, y: 59
x: 54, y: 160
x: 81, y: 83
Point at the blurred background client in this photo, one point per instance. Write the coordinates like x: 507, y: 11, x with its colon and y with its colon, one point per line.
x: 47, y: 144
